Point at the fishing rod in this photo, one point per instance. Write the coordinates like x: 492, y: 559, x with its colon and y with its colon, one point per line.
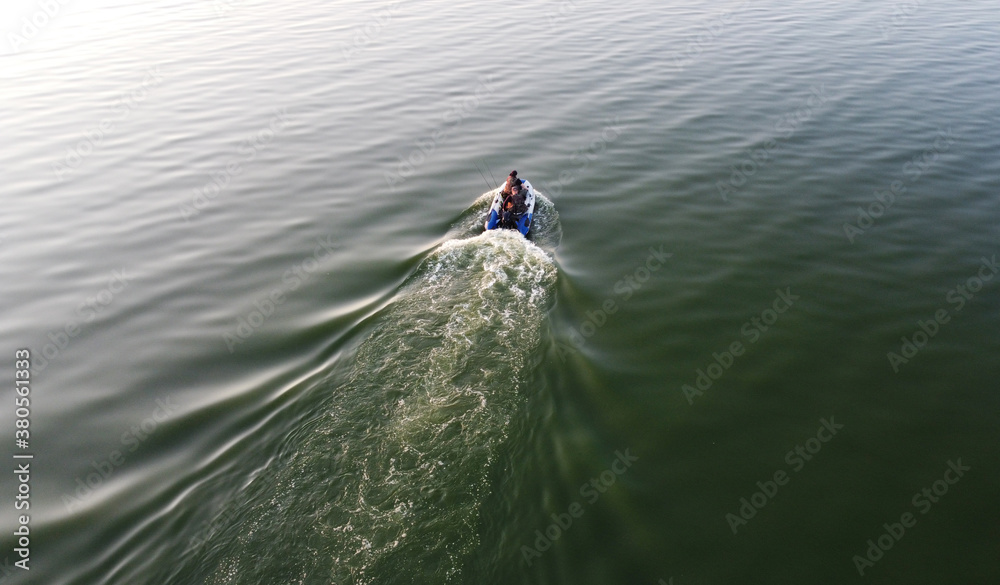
x: 491, y: 173
x: 483, y: 176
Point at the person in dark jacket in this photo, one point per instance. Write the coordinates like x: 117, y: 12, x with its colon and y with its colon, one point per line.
x: 518, y: 197
x: 514, y: 205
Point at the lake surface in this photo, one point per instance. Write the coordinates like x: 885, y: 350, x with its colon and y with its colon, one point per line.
x: 753, y: 335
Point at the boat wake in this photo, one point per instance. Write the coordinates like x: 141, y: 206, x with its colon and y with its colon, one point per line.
x: 385, y: 482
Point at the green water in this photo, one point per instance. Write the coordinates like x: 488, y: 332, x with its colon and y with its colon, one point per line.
x: 752, y: 336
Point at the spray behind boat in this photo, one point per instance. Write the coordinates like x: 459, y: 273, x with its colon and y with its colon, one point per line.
x: 385, y: 478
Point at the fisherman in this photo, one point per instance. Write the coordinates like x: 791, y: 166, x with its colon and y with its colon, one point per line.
x: 510, y: 179
x: 514, y: 205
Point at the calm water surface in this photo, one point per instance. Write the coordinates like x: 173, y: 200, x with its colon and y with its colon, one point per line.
x: 753, y: 336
